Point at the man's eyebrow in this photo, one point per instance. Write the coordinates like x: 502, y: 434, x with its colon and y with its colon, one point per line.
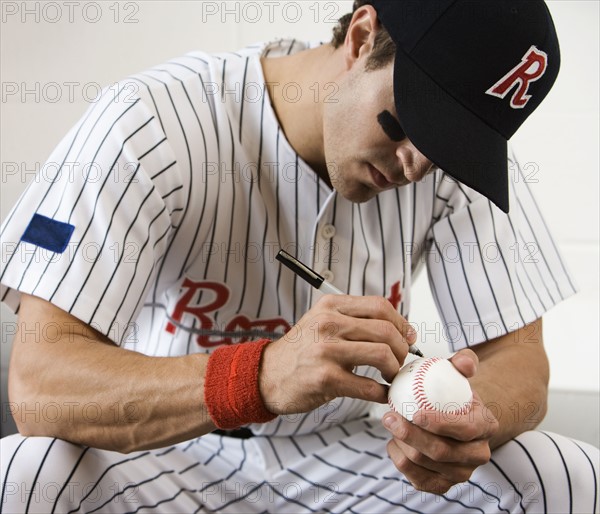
x: 391, y: 126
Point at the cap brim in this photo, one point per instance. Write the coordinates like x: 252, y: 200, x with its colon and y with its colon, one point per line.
x: 450, y: 135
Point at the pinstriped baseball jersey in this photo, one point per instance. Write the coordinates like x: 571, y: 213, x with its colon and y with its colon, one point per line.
x: 158, y: 217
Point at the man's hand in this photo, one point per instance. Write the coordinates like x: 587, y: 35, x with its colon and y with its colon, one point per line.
x: 313, y: 363
x: 439, y: 449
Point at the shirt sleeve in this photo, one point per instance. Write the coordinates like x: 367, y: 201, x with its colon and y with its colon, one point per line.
x: 89, y: 230
x: 492, y: 273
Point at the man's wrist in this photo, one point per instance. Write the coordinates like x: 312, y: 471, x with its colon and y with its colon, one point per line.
x: 231, y: 390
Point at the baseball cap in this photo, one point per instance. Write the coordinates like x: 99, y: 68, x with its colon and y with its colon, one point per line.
x: 467, y: 74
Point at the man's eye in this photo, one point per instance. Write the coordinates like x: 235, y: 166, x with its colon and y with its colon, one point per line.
x: 391, y: 126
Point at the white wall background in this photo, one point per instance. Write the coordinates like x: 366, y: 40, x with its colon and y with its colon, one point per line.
x: 55, y: 55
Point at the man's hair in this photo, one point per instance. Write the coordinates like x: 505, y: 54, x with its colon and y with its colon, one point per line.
x: 384, y: 48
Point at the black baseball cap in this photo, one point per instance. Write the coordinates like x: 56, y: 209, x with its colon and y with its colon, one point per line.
x: 467, y: 74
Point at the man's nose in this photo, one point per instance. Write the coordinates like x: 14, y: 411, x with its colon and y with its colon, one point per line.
x: 414, y: 164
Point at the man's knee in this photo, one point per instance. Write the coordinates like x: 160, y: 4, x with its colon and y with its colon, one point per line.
x: 551, y: 471
x: 38, y: 473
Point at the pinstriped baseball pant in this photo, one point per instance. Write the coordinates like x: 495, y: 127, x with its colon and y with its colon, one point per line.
x: 341, y: 469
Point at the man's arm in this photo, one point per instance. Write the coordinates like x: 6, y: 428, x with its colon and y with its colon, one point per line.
x: 509, y: 378
x: 112, y: 398
x: 96, y: 393
x: 512, y: 380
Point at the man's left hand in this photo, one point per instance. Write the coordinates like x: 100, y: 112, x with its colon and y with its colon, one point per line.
x: 438, y: 450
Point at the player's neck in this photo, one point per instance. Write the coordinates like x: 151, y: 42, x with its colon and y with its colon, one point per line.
x: 301, y: 116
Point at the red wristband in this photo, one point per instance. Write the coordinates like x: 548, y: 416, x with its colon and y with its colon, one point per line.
x: 231, y: 389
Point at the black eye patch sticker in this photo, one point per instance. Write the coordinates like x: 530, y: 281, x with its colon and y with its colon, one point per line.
x: 390, y: 126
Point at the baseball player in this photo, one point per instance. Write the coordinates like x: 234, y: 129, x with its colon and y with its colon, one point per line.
x: 180, y: 368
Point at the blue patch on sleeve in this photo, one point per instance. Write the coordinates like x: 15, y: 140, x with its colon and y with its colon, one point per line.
x: 48, y: 233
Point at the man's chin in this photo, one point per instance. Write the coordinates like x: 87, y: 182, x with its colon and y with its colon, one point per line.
x: 360, y: 194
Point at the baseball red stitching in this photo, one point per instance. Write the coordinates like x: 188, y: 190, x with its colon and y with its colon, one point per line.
x: 418, y: 386
x: 419, y: 389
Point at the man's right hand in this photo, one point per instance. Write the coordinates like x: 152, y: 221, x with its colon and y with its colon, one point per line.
x: 313, y: 363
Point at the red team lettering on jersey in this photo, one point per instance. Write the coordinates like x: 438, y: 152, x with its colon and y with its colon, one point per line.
x: 531, y: 68
x: 218, y: 295
x: 396, y: 297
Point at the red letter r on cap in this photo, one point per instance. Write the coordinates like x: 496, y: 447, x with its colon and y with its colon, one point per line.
x: 531, y: 68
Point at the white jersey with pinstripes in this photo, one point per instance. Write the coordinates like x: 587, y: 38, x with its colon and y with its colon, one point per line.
x: 180, y: 188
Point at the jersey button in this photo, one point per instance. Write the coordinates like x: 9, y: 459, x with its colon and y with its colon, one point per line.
x: 328, y: 231
x: 328, y: 275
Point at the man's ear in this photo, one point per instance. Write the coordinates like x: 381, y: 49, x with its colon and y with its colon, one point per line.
x: 361, y: 34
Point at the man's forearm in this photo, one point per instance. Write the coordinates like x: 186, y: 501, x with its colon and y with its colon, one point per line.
x: 513, y: 381
x: 112, y: 398
x: 86, y: 390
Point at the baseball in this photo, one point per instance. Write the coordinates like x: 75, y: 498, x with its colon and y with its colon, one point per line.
x: 429, y: 383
